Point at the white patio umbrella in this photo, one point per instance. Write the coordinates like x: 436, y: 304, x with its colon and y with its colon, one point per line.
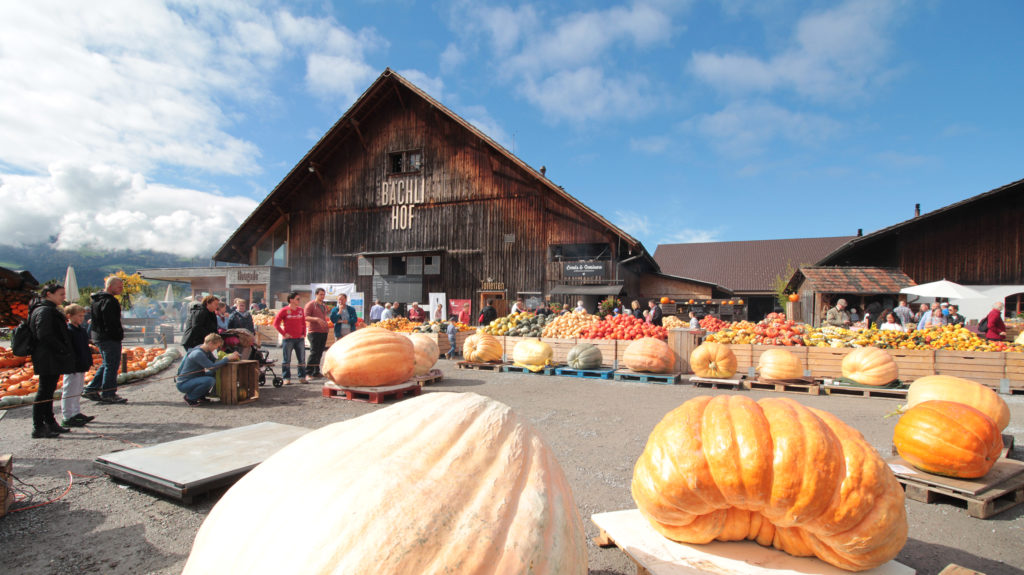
x: 169, y: 296
x: 943, y: 289
x: 71, y: 285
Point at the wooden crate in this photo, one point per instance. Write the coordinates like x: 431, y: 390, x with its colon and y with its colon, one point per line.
x: 6, y: 495
x: 266, y: 335
x: 236, y: 376
x: 1015, y: 370
x: 913, y: 363
x: 826, y: 361
x: 984, y: 367
x: 560, y: 348
x: 683, y: 342
x: 509, y: 345
x: 608, y: 349
x: 744, y: 352
x: 797, y: 350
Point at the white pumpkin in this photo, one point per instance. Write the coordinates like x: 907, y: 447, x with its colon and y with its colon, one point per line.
x: 426, y: 352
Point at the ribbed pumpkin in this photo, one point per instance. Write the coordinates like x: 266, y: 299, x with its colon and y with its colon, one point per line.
x: 584, y: 356
x: 649, y: 354
x: 715, y: 360
x: 948, y: 438
x: 728, y: 468
x: 533, y: 354
x: 370, y: 357
x: 482, y: 348
x: 426, y: 352
x: 779, y: 364
x: 950, y: 388
x: 870, y: 366
x: 440, y: 483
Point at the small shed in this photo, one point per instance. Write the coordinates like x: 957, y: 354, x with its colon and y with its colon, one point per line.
x: 819, y: 287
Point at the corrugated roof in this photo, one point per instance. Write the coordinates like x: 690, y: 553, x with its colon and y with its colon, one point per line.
x: 851, y: 279
x: 744, y: 267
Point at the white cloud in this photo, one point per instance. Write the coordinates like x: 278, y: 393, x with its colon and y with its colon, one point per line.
x: 747, y: 128
x: 691, y: 236
x: 586, y: 93
x: 116, y: 209
x: 482, y: 119
x: 650, y: 145
x: 432, y: 86
x: 632, y: 223
x: 835, y: 54
x: 451, y: 58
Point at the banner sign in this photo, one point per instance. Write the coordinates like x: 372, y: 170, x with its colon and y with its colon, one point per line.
x: 437, y: 307
x: 584, y: 269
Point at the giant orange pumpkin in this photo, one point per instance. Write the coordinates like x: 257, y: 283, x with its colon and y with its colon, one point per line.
x: 426, y: 352
x: 948, y: 438
x: 727, y: 468
x: 370, y: 357
x: 950, y: 388
x: 779, y: 364
x: 440, y: 483
x: 711, y: 359
x: 870, y: 366
x: 482, y: 348
x: 649, y: 354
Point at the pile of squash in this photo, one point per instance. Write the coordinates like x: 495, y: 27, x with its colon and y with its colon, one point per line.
x: 568, y: 325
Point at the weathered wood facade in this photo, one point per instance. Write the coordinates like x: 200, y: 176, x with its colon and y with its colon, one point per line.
x: 978, y: 241
x: 402, y: 192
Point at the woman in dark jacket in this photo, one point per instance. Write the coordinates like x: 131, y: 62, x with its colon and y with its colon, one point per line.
x: 51, y: 357
x: 202, y: 321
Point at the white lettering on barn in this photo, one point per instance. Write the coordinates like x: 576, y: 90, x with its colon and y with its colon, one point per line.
x: 402, y: 194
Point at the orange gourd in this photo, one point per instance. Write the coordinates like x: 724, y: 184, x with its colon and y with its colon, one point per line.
x: 370, y: 357
x: 948, y: 438
x: 794, y: 297
x: 715, y: 360
x: 779, y: 364
x: 728, y: 468
x: 950, y: 388
x: 649, y: 354
x: 482, y: 348
x: 440, y: 483
x: 870, y: 366
x: 425, y: 351
x: 665, y: 299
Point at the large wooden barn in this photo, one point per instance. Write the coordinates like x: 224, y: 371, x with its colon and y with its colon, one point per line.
x: 404, y: 198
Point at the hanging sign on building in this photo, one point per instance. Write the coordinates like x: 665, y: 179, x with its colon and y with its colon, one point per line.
x: 403, y: 194
x: 248, y: 275
x: 584, y: 269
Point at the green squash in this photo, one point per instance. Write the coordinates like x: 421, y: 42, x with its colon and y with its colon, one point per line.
x: 584, y: 356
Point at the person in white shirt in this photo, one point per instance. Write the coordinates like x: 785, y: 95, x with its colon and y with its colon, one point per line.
x: 519, y: 306
x: 388, y: 313
x: 891, y: 323
x: 694, y: 324
x: 579, y: 307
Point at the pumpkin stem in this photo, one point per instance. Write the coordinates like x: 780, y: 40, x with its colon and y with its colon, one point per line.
x: 900, y: 409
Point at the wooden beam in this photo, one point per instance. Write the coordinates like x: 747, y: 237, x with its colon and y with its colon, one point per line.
x: 398, y: 93
x: 362, y: 141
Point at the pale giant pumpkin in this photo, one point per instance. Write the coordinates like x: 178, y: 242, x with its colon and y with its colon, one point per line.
x: 440, y: 483
x: 533, y: 354
x: 711, y: 359
x: 948, y: 438
x: 370, y: 357
x: 870, y: 366
x: 950, y: 388
x: 727, y: 468
x: 584, y: 356
x: 779, y: 364
x: 649, y: 354
x: 482, y: 348
x: 426, y: 352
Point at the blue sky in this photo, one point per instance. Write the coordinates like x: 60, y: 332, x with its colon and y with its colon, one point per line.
x: 161, y: 124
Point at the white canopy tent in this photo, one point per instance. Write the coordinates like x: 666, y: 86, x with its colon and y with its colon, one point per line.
x: 942, y: 289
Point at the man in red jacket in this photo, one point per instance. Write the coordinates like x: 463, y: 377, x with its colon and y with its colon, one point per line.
x: 996, y: 327
x: 290, y: 322
x: 316, y: 323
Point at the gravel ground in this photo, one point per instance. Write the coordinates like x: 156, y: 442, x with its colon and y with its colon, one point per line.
x: 596, y: 428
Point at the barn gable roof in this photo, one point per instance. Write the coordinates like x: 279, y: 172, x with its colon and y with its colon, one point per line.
x: 349, y: 123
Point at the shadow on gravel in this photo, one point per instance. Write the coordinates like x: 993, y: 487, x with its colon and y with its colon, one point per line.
x: 456, y: 383
x: 930, y: 558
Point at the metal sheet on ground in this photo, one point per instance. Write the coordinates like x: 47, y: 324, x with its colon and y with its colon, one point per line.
x: 188, y: 467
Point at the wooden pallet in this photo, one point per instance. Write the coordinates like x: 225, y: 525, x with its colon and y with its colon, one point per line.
x: 805, y: 386
x: 660, y: 378
x: 520, y: 369
x: 1001, y: 489
x: 716, y: 383
x: 373, y: 394
x: 879, y: 392
x: 479, y: 365
x: 591, y: 373
x: 432, y: 376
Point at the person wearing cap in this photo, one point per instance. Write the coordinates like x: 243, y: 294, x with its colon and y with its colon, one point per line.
x: 838, y: 316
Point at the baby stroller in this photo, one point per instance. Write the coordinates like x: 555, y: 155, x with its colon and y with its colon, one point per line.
x: 244, y: 342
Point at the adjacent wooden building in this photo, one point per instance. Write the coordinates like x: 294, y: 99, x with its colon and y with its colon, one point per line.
x: 404, y: 198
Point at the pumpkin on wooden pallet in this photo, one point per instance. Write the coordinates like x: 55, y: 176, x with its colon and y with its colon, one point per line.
x: 441, y: 483
x: 370, y: 357
x: 584, y: 356
x: 713, y: 360
x: 948, y: 438
x: 426, y: 352
x: 728, y: 468
x: 870, y: 366
x: 649, y: 354
x: 950, y: 388
x: 533, y: 354
x: 482, y: 348
x: 779, y: 364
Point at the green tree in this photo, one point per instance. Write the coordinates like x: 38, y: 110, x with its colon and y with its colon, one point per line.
x: 780, y: 283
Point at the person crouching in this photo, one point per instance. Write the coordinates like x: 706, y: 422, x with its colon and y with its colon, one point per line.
x: 195, y: 374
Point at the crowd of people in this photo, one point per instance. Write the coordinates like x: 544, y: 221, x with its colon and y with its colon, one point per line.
x: 903, y: 318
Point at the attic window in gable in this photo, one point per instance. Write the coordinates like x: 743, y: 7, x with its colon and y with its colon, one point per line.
x: 407, y: 162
